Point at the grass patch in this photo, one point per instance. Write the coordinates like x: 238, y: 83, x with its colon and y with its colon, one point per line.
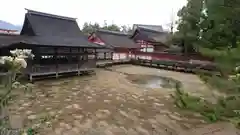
x: 221, y: 84
x: 226, y: 108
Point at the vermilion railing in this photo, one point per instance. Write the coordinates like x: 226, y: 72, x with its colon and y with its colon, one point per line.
x: 167, y: 56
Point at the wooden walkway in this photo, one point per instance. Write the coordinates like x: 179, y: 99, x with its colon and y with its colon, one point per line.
x: 112, y: 62
x: 166, y: 65
x: 179, y: 66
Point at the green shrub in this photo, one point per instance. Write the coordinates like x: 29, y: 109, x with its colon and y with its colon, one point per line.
x: 226, y: 108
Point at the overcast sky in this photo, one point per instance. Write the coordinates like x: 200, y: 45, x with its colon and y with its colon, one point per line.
x: 121, y: 12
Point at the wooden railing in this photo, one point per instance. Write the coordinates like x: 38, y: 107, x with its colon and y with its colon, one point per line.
x: 168, y: 56
x: 61, y: 68
x: 67, y: 67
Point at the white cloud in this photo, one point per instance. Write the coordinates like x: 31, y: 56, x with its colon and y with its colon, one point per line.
x: 120, y: 12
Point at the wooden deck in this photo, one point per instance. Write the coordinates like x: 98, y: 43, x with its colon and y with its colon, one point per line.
x: 36, y: 71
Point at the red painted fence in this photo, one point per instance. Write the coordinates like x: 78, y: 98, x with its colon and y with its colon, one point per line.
x: 168, y: 56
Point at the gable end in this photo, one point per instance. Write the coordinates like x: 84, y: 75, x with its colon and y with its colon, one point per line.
x: 27, y: 28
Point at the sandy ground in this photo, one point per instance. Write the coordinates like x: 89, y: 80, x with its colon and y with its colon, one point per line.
x: 108, y: 104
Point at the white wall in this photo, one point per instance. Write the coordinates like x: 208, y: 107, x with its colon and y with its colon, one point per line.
x: 120, y: 56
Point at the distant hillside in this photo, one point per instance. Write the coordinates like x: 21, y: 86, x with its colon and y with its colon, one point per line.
x: 9, y: 26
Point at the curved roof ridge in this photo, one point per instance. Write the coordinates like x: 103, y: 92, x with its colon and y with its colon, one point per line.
x: 113, y: 32
x: 151, y: 30
x: 50, y: 15
x: 158, y: 28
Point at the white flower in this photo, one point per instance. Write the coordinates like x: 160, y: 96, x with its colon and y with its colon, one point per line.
x: 27, y: 51
x: 238, y: 75
x: 32, y: 55
x: 231, y: 77
x: 21, y: 62
x: 2, y: 61
x: 7, y: 58
x: 22, y: 56
x: 13, y: 52
x: 18, y: 58
x: 16, y: 85
x: 237, y: 68
x: 24, y: 133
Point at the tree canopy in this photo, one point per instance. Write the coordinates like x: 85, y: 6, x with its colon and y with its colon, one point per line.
x: 213, y: 24
x: 89, y: 27
x: 188, y: 25
x: 211, y: 27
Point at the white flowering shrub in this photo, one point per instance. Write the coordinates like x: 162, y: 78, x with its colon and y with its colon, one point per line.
x: 12, y: 66
x: 17, y: 60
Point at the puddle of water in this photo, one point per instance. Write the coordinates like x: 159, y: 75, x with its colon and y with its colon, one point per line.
x: 153, y: 82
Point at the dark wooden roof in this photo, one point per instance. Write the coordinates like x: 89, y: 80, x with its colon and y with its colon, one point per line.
x: 46, y: 41
x: 158, y: 28
x: 50, y: 30
x: 6, y: 39
x: 150, y: 35
x: 44, y: 24
x: 116, y: 39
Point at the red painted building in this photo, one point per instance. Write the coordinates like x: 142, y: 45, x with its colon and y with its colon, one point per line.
x: 121, y: 45
x: 153, y: 41
x: 9, y: 32
x: 151, y: 38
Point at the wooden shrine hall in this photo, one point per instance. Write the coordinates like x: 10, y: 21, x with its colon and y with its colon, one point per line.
x: 57, y: 43
x: 151, y: 38
x: 120, y: 42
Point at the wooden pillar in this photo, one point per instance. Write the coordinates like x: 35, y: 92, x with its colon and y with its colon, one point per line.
x: 31, y: 63
x: 56, y: 60
x: 104, y: 55
x: 30, y: 67
x: 78, y: 61
x: 128, y: 54
x: 30, y: 77
x: 87, y: 54
x: 70, y: 60
x: 112, y: 55
x: 95, y: 54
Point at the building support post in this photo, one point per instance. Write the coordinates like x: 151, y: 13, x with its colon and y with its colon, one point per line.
x: 30, y: 78
x: 78, y: 60
x: 56, y: 61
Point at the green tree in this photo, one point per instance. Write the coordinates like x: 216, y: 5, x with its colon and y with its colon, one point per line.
x: 189, y: 25
x: 89, y: 28
x: 214, y: 26
x: 221, y: 24
x: 220, y: 32
x: 112, y: 27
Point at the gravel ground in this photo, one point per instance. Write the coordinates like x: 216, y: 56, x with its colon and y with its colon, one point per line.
x: 107, y: 104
